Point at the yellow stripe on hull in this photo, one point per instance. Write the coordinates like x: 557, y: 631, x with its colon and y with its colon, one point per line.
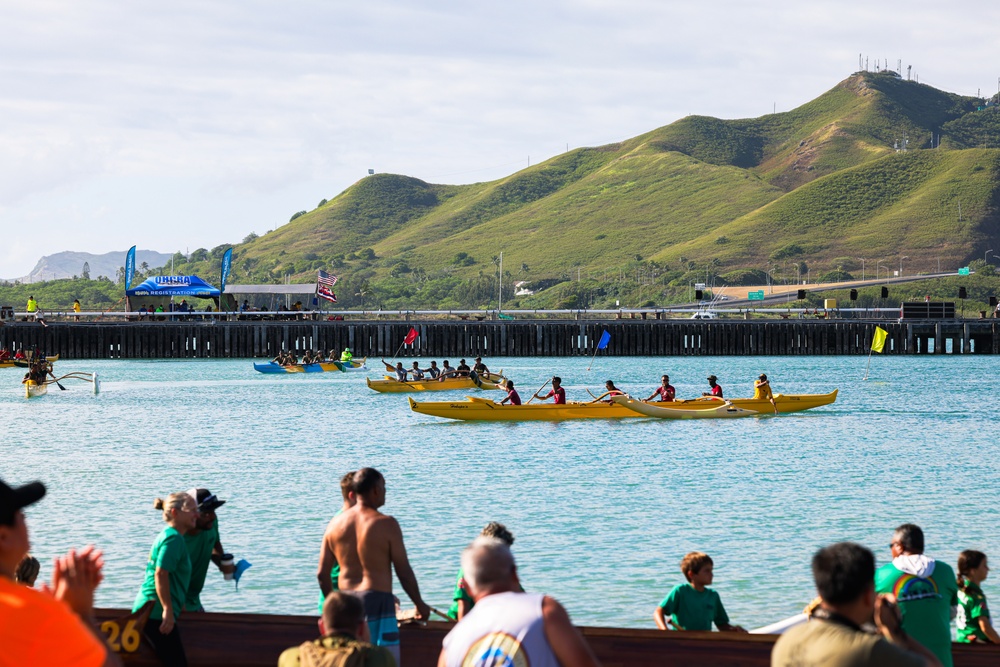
x: 32, y: 389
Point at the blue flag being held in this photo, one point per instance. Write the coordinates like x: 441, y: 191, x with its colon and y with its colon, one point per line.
x: 605, y: 339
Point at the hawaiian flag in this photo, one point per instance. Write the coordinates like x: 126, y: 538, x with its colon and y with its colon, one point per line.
x: 324, y: 286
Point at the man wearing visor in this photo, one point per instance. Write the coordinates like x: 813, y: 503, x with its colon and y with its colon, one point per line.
x: 204, y: 545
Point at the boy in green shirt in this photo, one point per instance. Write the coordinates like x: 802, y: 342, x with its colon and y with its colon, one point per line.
x: 694, y: 606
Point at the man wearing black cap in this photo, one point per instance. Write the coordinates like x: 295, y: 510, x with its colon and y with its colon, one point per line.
x: 55, y: 627
x: 716, y: 390
x: 203, y: 545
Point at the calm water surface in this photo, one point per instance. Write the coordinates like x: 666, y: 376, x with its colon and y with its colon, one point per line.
x: 602, y: 511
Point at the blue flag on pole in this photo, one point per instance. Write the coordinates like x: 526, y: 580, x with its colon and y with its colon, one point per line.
x: 605, y: 339
x: 227, y: 263
x: 129, y: 267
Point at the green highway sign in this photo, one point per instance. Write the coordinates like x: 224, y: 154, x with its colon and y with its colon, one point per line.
x: 964, y: 271
x: 756, y: 296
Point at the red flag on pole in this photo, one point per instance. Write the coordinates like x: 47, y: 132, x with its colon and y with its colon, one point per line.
x: 411, y: 336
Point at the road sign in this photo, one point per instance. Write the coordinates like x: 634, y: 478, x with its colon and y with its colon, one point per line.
x: 964, y: 271
x: 756, y: 296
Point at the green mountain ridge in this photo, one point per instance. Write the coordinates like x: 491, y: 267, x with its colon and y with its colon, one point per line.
x: 817, y: 184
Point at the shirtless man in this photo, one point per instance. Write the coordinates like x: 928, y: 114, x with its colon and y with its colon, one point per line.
x: 368, y: 546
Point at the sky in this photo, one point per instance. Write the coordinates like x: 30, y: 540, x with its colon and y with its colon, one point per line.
x: 188, y: 124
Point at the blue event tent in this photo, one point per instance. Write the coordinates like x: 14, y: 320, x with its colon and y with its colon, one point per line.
x: 174, y: 286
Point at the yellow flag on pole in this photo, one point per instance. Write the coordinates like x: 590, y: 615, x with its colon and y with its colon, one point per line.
x: 878, y: 340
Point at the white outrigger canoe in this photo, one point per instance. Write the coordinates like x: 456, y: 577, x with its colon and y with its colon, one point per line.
x: 34, y: 389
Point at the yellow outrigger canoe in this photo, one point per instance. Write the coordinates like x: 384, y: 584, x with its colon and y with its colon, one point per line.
x: 394, y: 386
x: 483, y: 409
x: 33, y: 389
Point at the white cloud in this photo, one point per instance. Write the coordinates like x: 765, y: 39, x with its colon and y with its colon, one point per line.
x: 193, y: 123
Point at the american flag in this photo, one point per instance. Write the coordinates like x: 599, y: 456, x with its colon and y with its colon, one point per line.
x: 324, y: 278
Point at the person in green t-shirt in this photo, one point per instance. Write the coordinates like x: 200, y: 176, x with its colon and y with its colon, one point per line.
x: 462, y: 602
x: 694, y: 606
x: 973, y: 620
x: 204, y: 546
x: 168, y: 573
x: 925, y: 590
x: 347, y: 492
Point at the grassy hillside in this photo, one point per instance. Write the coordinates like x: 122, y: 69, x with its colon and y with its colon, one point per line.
x: 817, y: 185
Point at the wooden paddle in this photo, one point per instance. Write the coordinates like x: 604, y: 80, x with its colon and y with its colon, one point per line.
x: 536, y: 393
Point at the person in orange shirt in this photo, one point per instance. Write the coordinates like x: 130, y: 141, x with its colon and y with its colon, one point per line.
x: 53, y: 626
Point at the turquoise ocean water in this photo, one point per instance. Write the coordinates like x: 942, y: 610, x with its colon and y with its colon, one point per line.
x: 602, y: 511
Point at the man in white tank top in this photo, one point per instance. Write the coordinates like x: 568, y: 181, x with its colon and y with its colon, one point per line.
x: 507, y: 627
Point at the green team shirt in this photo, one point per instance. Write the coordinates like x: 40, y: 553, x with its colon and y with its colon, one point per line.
x: 926, y: 604
x: 168, y: 553
x: 334, y: 573
x: 200, y: 549
x: 694, y: 610
x: 971, y: 608
x: 461, y: 593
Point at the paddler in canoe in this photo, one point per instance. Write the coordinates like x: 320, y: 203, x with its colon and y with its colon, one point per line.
x: 715, y: 389
x: 665, y: 391
x: 762, y: 391
x: 609, y: 390
x: 512, y: 395
x: 557, y: 392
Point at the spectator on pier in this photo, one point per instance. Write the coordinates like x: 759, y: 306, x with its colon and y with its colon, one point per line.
x: 31, y: 308
x: 844, y: 575
x: 714, y: 389
x: 168, y: 575
x: 925, y: 589
x: 76, y: 309
x: 53, y: 626
x: 557, y: 393
x: 973, y: 620
x: 40, y: 316
x: 762, y: 391
x: 506, y: 626
x: 694, y: 606
x: 204, y: 546
x: 665, y: 391
x: 349, y: 499
x: 368, y: 545
x: 346, y: 641
x: 462, y: 602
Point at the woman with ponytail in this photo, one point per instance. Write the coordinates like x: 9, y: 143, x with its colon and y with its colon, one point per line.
x: 973, y: 620
x: 168, y: 572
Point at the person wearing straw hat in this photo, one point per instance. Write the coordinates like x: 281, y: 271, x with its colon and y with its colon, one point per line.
x: 204, y: 546
x: 53, y: 626
x: 715, y: 389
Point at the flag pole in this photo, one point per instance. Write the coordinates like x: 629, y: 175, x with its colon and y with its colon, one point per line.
x: 592, y: 359
x: 870, y: 350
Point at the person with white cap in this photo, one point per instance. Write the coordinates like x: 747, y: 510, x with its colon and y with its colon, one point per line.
x: 204, y: 546
x: 53, y: 626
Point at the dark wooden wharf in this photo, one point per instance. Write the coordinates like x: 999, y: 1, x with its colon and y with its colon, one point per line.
x: 219, y: 339
x: 253, y: 640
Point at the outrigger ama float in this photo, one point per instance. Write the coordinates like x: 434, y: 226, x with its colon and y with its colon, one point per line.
x: 483, y: 409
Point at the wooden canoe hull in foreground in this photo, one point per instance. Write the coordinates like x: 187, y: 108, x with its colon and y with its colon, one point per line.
x: 254, y: 640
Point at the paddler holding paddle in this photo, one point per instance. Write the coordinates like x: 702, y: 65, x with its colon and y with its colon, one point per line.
x: 665, y: 391
x: 512, y: 395
x: 716, y: 390
x: 557, y: 392
x: 762, y: 391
